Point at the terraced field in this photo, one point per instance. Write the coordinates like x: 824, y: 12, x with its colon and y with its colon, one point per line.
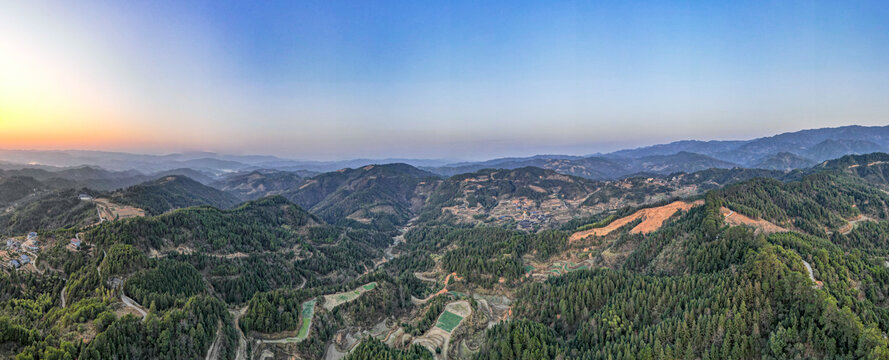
x: 564, y: 267
x: 448, y: 321
x: 333, y: 300
x: 439, y: 336
x: 307, y: 314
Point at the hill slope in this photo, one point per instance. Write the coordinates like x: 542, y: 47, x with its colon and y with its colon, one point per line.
x: 173, y: 192
x: 377, y: 195
x: 48, y: 211
x: 17, y: 187
x: 257, y: 184
x: 265, y: 224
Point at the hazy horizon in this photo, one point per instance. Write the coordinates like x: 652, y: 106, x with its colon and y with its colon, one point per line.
x: 407, y: 157
x: 452, y: 80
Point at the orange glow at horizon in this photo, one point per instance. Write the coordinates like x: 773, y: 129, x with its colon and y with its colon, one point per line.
x: 24, y: 127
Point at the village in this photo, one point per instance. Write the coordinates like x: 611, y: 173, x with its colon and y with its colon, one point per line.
x: 531, y: 215
x: 21, y: 253
x: 526, y: 214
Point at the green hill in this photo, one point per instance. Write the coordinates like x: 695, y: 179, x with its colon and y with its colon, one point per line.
x: 17, y: 187
x: 873, y: 168
x: 257, y: 184
x: 48, y: 211
x: 379, y: 196
x: 172, y: 192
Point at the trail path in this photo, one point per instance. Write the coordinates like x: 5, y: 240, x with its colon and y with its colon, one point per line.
x: 213, y: 351
x: 818, y: 284
x: 416, y: 301
x: 809, y: 269
x: 241, y: 354
x: 133, y: 304
x: 851, y: 224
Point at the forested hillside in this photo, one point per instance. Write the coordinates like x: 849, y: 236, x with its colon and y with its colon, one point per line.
x: 716, y: 264
x: 14, y: 188
x: 873, y: 168
x: 48, y: 210
x: 374, y: 196
x: 257, y: 184
x: 172, y: 192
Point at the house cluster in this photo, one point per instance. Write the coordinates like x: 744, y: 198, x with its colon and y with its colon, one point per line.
x: 21, y: 261
x: 31, y: 244
x: 533, y: 219
x: 75, y: 243
x: 527, y: 215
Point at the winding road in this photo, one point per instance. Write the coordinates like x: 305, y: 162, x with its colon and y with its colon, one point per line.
x: 133, y: 304
x: 809, y: 269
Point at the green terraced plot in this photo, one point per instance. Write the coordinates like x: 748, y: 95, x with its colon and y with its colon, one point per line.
x: 307, y: 313
x: 448, y: 321
x: 333, y: 300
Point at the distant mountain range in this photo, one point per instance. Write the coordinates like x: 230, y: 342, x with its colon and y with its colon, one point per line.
x: 793, y: 150
x: 211, y: 163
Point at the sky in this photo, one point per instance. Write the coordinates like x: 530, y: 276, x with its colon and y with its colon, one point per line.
x: 432, y: 79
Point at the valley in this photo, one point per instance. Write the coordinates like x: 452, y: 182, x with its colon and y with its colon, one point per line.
x: 396, y: 260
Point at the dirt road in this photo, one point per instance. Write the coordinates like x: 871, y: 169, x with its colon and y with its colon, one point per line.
x: 133, y: 304
x: 241, y: 354
x: 213, y: 351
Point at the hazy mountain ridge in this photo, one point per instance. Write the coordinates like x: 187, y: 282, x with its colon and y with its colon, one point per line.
x: 257, y: 184
x: 784, y: 161
x: 783, y: 151
x: 97, y: 178
x: 815, y: 144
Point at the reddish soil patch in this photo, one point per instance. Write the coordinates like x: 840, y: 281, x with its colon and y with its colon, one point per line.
x: 448, y: 278
x: 652, y: 219
x: 733, y: 218
x: 445, y: 289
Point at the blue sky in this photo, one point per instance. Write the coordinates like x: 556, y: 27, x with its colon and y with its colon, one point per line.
x: 446, y: 79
